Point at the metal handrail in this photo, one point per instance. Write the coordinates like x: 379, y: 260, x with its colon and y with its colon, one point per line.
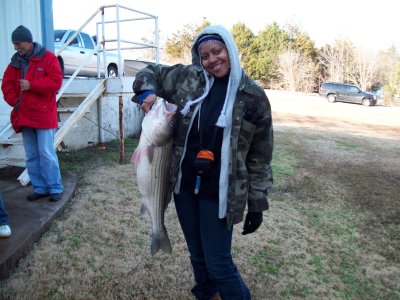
x: 119, y: 40
x: 73, y: 76
x: 137, y: 45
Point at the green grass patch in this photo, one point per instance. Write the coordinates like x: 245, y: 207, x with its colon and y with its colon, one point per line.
x: 285, y: 162
x: 123, y: 183
x: 331, y: 222
x: 347, y: 144
x: 268, y: 261
x: 80, y: 161
x: 339, y: 226
x: 283, y: 166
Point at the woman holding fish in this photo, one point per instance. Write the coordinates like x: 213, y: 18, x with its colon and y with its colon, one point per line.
x: 221, y: 158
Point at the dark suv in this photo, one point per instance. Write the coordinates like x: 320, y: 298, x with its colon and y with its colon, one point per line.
x: 334, y: 91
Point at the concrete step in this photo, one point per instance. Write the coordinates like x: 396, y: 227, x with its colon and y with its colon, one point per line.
x: 12, y: 161
x: 68, y: 109
x: 74, y: 95
x: 11, y: 141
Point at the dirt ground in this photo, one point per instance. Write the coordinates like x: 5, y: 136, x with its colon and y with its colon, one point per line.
x: 371, y: 165
x: 352, y: 168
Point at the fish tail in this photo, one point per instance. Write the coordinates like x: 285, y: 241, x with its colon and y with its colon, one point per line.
x: 160, y: 241
x: 136, y: 156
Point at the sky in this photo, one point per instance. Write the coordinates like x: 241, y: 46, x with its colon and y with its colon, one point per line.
x: 369, y: 24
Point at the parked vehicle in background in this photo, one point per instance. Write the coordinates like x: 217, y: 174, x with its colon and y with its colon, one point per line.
x: 81, y: 46
x: 378, y: 93
x: 343, y: 92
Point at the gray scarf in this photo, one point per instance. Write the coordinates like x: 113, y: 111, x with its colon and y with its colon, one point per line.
x: 22, y: 62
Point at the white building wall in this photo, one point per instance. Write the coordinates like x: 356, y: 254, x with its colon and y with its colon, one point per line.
x: 12, y: 14
x: 101, y: 123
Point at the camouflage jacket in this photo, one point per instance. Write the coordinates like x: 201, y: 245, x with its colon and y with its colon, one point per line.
x: 250, y: 172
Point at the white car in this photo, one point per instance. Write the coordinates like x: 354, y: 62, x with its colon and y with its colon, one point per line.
x: 73, y: 55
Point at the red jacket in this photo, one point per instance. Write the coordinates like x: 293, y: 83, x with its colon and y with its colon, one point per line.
x: 38, y: 108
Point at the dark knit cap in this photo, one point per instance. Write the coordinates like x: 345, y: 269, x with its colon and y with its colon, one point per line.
x: 208, y: 38
x: 21, y: 34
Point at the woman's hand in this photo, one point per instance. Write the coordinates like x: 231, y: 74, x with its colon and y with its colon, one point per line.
x: 148, y: 102
x: 252, y: 222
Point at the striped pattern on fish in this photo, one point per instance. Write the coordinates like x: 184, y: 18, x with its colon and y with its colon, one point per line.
x: 152, y: 158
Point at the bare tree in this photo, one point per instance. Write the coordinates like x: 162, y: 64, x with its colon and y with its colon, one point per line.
x: 363, y: 68
x: 342, y: 62
x: 336, y: 61
x: 295, y: 71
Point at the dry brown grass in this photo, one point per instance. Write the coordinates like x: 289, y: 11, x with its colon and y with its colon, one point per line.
x: 332, y: 232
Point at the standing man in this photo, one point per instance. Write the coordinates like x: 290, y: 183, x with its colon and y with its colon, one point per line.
x: 30, y: 84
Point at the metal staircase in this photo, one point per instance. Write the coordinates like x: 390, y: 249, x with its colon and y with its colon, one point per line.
x: 76, y: 115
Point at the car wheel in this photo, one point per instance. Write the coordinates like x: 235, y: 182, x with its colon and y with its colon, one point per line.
x: 112, y: 71
x: 366, y: 102
x: 331, y: 98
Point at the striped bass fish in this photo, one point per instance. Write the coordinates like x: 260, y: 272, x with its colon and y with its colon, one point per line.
x: 152, y: 158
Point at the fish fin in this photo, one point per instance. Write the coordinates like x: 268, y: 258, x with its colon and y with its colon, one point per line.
x: 143, y: 209
x: 136, y: 156
x: 160, y: 241
x: 150, y: 152
x: 167, y: 200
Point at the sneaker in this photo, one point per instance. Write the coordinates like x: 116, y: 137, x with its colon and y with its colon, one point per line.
x: 5, y: 231
x: 36, y: 196
x: 55, y: 197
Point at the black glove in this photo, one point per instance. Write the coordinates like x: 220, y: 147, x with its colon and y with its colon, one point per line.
x: 252, y: 222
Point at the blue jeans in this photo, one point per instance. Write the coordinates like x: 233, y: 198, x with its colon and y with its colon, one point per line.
x: 3, y: 213
x: 209, y: 242
x: 42, y: 160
